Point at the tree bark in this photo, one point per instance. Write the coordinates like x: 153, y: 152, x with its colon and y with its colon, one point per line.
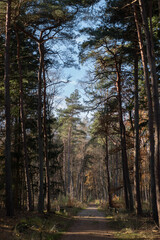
x: 46, y: 160
x: 69, y: 161
x: 150, y: 113
x: 137, y: 147
x: 23, y: 129
x: 154, y: 81
x: 64, y: 166
x: 8, y: 172
x: 40, y: 139
x: 80, y: 176
x: 82, y: 186
x: 126, y: 179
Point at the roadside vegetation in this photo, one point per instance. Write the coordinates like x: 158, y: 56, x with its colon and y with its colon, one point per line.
x: 46, y: 226
x: 125, y: 225
x: 50, y: 226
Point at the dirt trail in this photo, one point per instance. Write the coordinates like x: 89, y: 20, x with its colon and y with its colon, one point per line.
x: 90, y: 224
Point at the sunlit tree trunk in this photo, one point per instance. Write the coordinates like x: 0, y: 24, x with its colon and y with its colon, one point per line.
x: 150, y: 113
x: 154, y: 81
x: 9, y: 200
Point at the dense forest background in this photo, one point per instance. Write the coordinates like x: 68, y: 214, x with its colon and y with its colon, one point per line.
x: 46, y: 152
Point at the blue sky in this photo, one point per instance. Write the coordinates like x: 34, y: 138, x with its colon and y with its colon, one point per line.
x: 76, y: 75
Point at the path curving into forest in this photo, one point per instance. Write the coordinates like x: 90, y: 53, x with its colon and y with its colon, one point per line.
x: 89, y: 224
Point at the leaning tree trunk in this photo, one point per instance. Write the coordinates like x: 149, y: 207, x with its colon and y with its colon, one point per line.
x: 40, y: 139
x: 137, y: 147
x: 9, y: 199
x: 154, y: 80
x: 45, y: 135
x: 150, y: 113
x: 126, y: 179
x: 23, y: 129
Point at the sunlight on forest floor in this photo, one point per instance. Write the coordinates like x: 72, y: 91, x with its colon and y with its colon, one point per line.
x: 95, y: 233
x: 89, y: 217
x: 129, y: 226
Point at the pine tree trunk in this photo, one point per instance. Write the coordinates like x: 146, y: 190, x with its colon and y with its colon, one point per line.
x: 69, y: 161
x: 45, y: 135
x: 17, y: 180
x: 126, y: 179
x: 154, y: 80
x: 64, y: 166
x: 40, y: 139
x: 137, y: 147
x: 22, y: 118
x: 82, y: 187
x: 150, y: 113
x: 9, y: 195
x: 80, y: 177
x: 78, y: 187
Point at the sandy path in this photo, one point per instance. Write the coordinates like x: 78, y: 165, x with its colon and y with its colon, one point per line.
x: 90, y: 224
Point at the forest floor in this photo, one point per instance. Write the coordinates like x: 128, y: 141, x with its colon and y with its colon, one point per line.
x: 89, y: 224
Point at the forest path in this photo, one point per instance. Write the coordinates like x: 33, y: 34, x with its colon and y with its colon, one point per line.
x: 89, y: 224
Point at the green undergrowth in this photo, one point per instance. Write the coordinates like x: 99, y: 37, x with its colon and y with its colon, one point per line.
x: 46, y: 226
x: 126, y: 226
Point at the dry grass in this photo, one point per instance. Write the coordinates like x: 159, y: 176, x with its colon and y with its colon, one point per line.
x: 128, y: 226
x: 34, y: 226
